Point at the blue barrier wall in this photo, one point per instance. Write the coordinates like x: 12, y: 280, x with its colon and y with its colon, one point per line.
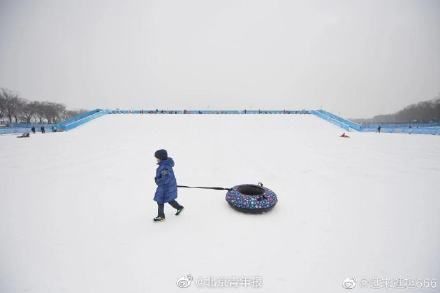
x: 66, y: 125
x: 208, y: 111
x: 13, y: 130
x: 420, y: 128
x: 80, y: 116
x: 26, y: 128
x: 401, y: 125
x: 348, y: 123
x: 81, y: 119
x: 410, y: 130
x: 336, y: 120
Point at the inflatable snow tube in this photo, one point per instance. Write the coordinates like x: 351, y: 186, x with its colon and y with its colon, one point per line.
x: 249, y: 198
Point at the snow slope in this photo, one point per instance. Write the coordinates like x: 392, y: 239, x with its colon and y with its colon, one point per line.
x: 76, y: 208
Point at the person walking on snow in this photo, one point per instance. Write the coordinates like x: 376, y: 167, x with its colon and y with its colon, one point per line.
x: 166, y: 191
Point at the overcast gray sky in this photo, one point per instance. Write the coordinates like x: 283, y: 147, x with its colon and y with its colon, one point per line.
x: 355, y: 58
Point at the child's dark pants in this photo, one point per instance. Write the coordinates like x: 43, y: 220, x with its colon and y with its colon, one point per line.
x: 160, y: 207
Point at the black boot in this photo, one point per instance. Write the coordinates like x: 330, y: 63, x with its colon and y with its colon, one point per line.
x: 159, y: 219
x: 160, y: 214
x: 179, y: 210
x: 177, y: 206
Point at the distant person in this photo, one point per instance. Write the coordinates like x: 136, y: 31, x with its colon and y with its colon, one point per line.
x: 379, y: 128
x: 33, y: 129
x: 54, y: 128
x: 42, y: 129
x: 166, y: 191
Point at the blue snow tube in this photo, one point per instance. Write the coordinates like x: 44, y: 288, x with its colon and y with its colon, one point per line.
x: 249, y: 198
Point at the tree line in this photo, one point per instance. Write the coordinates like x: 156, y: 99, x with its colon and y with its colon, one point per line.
x: 15, y: 109
x: 426, y: 111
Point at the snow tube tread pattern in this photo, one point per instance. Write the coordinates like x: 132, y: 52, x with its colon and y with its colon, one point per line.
x: 253, y: 201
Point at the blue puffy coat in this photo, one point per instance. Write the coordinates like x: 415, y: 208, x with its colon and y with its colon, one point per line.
x: 166, y: 182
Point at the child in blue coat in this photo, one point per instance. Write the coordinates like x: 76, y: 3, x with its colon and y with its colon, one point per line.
x: 166, y: 191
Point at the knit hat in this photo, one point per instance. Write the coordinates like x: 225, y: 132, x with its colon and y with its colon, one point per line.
x: 161, y: 155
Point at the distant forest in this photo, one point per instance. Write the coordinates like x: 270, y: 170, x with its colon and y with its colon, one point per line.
x: 15, y: 109
x: 426, y: 111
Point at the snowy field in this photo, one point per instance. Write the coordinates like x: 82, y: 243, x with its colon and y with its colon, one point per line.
x: 76, y: 208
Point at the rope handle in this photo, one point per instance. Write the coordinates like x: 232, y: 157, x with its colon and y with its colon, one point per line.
x: 214, y: 188
x: 203, y: 187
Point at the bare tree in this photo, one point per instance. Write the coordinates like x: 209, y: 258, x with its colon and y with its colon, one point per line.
x: 2, y: 105
x: 59, y: 112
x: 30, y: 111
x: 20, y: 105
x: 13, y: 104
x: 14, y: 107
x: 425, y: 111
x: 40, y: 111
x: 52, y: 112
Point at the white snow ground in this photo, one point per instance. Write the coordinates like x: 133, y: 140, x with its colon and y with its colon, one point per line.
x: 76, y: 208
